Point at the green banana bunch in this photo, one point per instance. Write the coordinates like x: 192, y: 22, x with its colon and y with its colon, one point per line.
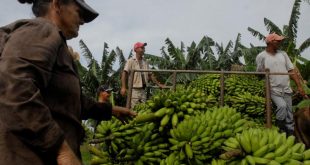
x: 209, y: 84
x: 173, y: 158
x: 198, y: 137
x: 174, y: 107
x: 218, y: 162
x: 235, y: 84
x: 99, y: 156
x: 264, y: 146
x: 247, y: 103
x: 146, y: 147
x: 112, y: 136
x: 142, y: 108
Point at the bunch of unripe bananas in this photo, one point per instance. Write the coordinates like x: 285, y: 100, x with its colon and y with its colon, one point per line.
x: 197, y: 139
x: 246, y: 93
x: 264, y: 146
x: 172, y: 107
x: 144, y: 147
x: 111, y: 136
x: 142, y: 108
x: 233, y: 84
x: 209, y: 84
x: 246, y: 103
x: 185, y: 127
x: 236, y: 84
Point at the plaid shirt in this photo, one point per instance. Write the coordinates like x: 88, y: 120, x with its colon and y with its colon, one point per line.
x: 133, y: 64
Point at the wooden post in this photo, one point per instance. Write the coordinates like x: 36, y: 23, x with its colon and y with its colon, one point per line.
x: 129, y: 92
x: 222, y: 89
x: 268, y: 97
x: 174, y: 80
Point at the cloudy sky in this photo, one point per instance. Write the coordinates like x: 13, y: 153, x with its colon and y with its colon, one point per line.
x: 123, y: 22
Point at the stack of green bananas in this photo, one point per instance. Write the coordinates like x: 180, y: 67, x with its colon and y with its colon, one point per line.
x: 89, y: 133
x: 218, y: 162
x: 173, y: 107
x: 157, y: 100
x: 243, y: 92
x: 247, y: 103
x: 142, y: 108
x: 99, y: 156
x: 198, y: 138
x: 209, y: 84
x: 146, y: 147
x: 171, y: 159
x: 264, y: 146
x: 113, y: 135
x: 236, y: 84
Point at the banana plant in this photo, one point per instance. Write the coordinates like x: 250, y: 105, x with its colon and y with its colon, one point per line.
x: 224, y: 61
x: 290, y: 31
x: 96, y: 74
x: 175, y: 58
x: 209, y: 61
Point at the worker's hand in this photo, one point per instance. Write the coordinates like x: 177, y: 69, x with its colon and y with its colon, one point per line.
x: 161, y: 86
x: 66, y: 156
x: 302, y: 93
x: 123, y: 91
x: 305, y: 97
x: 123, y: 113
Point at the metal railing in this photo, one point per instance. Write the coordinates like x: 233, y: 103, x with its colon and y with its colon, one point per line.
x: 267, y: 73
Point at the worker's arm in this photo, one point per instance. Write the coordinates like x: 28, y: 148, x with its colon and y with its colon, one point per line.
x: 124, y: 80
x: 298, y: 83
x: 153, y: 78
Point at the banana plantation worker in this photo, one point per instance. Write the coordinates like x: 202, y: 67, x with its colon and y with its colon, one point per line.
x: 104, y: 93
x: 140, y: 80
x: 281, y: 92
x: 41, y: 103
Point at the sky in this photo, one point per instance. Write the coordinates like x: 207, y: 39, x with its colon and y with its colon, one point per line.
x: 121, y: 23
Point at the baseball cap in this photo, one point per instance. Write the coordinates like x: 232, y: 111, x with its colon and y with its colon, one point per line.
x: 89, y: 13
x: 139, y: 45
x: 104, y: 88
x: 273, y: 37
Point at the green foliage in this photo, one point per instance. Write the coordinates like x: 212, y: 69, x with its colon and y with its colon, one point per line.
x: 101, y: 74
x: 290, y: 31
x: 303, y: 104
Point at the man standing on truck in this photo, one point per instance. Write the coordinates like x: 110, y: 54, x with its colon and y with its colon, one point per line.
x: 140, y: 79
x: 281, y: 93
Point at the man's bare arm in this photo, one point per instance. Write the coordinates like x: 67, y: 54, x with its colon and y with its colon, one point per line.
x: 154, y: 79
x: 298, y: 83
x: 124, y: 80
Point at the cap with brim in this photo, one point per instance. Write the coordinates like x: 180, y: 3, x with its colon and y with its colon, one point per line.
x: 108, y: 90
x: 89, y: 13
x: 139, y: 45
x: 104, y: 88
x: 273, y: 37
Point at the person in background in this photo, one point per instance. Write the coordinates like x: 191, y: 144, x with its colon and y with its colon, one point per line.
x: 104, y: 96
x: 104, y: 93
x: 141, y: 79
x: 281, y: 93
x: 41, y: 103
